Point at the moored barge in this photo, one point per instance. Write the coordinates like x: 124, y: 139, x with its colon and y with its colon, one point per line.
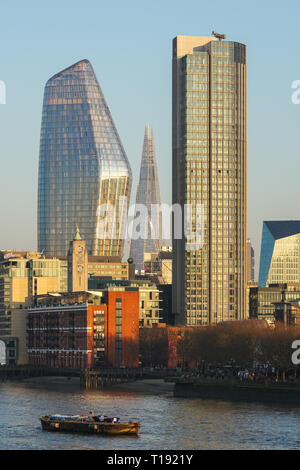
x: 89, y: 424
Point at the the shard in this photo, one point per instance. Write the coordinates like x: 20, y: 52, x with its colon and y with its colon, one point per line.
x: 148, y: 235
x: 83, y: 168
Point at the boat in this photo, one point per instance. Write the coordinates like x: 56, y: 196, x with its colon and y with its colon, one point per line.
x: 91, y: 424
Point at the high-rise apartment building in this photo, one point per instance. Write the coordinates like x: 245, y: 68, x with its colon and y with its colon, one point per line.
x: 83, y: 170
x: 149, y: 231
x: 280, y: 253
x: 209, y: 170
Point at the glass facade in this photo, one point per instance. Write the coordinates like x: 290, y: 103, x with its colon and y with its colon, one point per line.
x: 82, y: 168
x: 280, y: 253
x: 209, y: 168
x: 148, y: 194
x: 262, y: 299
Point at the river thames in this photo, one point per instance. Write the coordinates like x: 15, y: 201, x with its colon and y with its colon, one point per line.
x: 166, y: 422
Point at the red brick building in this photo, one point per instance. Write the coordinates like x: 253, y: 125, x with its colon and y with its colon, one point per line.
x: 84, y: 329
x: 122, y: 327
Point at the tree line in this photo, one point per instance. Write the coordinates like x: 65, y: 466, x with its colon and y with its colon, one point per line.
x: 240, y: 343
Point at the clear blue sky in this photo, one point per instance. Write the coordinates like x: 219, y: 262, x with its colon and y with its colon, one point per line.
x: 129, y: 44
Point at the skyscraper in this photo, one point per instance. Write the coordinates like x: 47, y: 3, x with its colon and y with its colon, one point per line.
x: 149, y: 225
x: 83, y: 169
x: 280, y: 253
x: 250, y: 262
x: 209, y: 169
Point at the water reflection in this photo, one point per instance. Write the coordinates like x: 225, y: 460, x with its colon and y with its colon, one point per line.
x: 166, y: 423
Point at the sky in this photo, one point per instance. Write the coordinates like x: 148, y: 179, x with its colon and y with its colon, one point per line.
x: 130, y: 47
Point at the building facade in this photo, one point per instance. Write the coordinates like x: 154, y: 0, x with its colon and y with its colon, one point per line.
x: 280, y: 253
x: 84, y: 174
x: 209, y: 171
x: 149, y: 296
x: 160, y: 265
x: 85, y: 329
x: 23, y: 275
x: 148, y: 224
x: 262, y: 300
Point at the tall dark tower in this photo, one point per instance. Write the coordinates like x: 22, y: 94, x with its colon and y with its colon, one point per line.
x: 148, y: 195
x: 83, y: 167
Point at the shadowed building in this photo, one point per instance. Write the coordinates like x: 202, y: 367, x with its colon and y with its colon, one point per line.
x: 148, y: 195
x: 83, y: 168
x: 209, y: 170
x: 280, y: 253
x: 250, y: 262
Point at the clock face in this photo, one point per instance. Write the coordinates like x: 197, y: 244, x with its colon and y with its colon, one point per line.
x: 79, y: 249
x: 80, y: 269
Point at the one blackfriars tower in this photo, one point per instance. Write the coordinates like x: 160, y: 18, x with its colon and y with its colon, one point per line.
x: 83, y: 168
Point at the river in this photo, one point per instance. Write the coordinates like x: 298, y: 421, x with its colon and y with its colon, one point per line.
x: 166, y: 422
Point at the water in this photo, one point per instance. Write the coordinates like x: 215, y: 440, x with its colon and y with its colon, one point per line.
x: 166, y: 422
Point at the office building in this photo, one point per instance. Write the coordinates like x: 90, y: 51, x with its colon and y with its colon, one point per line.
x: 84, y: 174
x: 280, y: 253
x: 263, y: 300
x: 209, y: 175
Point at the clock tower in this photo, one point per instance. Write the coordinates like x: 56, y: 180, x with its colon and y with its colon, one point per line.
x: 77, y: 265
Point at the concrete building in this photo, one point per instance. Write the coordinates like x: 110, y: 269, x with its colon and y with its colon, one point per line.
x: 209, y: 172
x: 280, y: 253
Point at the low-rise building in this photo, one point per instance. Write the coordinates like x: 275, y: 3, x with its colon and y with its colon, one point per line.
x: 85, y: 329
x: 25, y: 275
x: 149, y: 296
x: 262, y: 300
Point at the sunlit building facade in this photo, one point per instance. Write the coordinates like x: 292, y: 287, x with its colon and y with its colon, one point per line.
x: 280, y: 253
x: 209, y: 169
x: 83, y: 168
x: 149, y: 226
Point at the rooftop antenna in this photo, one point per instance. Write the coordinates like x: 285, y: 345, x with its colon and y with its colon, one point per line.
x: 219, y: 36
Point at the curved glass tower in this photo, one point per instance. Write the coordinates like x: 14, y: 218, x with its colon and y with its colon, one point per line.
x: 83, y: 168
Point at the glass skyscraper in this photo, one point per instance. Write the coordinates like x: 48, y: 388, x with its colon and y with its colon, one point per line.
x: 209, y: 169
x: 148, y: 195
x: 280, y: 253
x: 83, y: 168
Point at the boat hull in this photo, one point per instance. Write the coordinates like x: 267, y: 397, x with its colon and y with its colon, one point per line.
x: 90, y: 427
